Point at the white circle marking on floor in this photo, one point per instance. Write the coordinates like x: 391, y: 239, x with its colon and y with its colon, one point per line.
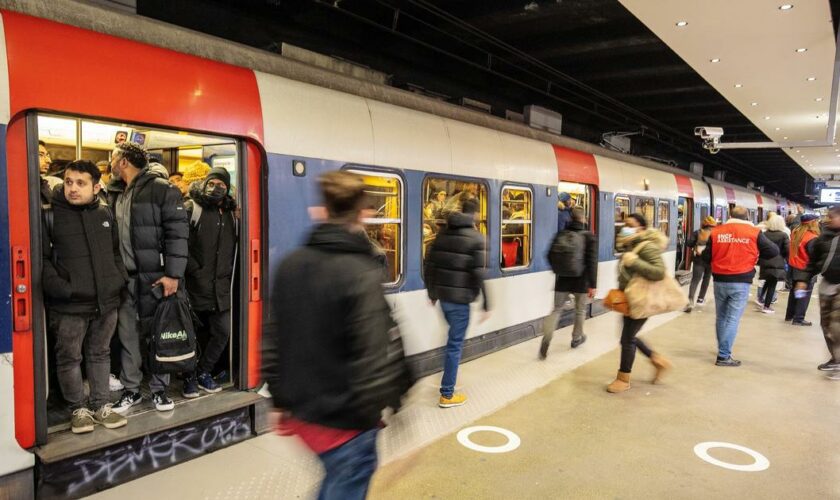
x: 512, y: 444
x: 761, y: 463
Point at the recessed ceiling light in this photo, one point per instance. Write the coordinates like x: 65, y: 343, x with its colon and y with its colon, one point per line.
x: 802, y: 50
x: 785, y: 137
x: 818, y: 99
x: 738, y: 85
x: 766, y: 117
x: 682, y: 24
x: 715, y: 60
x: 786, y: 6
x: 798, y: 151
x: 803, y: 156
x: 753, y: 104
x: 811, y: 78
x: 778, y: 128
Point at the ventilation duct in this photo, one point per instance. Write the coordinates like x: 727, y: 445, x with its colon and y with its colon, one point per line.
x: 543, y: 119
x: 720, y: 175
x: 476, y: 105
x: 696, y: 168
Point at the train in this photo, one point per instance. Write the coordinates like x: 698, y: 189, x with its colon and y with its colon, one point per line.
x: 77, y: 77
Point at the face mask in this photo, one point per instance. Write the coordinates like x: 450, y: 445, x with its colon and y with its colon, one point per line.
x: 627, y: 231
x: 215, y: 193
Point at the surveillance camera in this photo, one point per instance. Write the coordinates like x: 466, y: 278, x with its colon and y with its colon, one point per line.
x: 708, y: 132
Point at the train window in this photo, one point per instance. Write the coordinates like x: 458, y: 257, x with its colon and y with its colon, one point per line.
x: 663, y: 217
x: 517, y: 209
x: 383, y: 221
x: 647, y: 208
x: 704, y: 212
x: 622, y: 210
x: 719, y: 213
x: 442, y: 197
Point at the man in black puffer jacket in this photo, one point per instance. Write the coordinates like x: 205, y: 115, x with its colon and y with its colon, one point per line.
x: 327, y: 363
x: 83, y: 277
x: 454, y: 274
x: 209, y: 271
x: 154, y: 232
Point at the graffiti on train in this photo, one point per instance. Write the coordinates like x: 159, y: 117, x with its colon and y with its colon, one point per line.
x: 83, y: 475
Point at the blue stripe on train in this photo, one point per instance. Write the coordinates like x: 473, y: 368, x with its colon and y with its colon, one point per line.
x: 5, y: 255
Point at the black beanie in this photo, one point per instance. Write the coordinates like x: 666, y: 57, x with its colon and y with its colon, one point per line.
x: 219, y: 173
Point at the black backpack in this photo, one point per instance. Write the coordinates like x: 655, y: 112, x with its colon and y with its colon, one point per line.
x: 172, y: 346
x: 567, y: 254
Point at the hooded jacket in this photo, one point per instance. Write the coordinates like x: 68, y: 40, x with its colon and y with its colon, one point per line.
x: 326, y: 361
x: 159, y: 233
x: 774, y: 267
x: 819, y: 250
x: 589, y: 278
x: 454, y: 265
x: 212, y: 247
x: 83, y: 272
x: 642, y: 260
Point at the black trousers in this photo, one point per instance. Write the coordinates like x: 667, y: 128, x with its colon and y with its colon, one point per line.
x: 700, y: 275
x: 629, y: 342
x: 796, y: 308
x: 769, y: 290
x: 213, y: 338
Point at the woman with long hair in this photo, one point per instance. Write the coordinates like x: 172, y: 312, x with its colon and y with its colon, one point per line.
x: 800, y: 239
x: 773, y: 269
x: 642, y: 256
x: 700, y: 271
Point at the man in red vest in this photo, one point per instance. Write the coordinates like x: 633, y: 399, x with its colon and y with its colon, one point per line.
x: 733, y: 250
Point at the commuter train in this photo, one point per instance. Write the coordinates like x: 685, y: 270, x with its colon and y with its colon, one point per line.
x: 79, y: 90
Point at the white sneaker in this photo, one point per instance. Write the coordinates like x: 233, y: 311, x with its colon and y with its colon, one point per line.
x: 114, y: 383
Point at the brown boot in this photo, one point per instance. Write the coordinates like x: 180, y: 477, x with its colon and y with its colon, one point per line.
x: 620, y: 384
x: 661, y: 364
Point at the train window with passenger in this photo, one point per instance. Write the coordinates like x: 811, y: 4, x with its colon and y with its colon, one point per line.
x: 582, y: 195
x: 517, y: 209
x: 663, y: 217
x: 383, y: 220
x: 647, y: 208
x: 622, y: 210
x: 442, y: 197
x: 719, y: 214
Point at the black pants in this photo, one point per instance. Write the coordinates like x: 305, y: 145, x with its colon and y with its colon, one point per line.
x: 769, y: 291
x: 213, y: 338
x: 796, y: 308
x: 629, y: 343
x: 700, y: 275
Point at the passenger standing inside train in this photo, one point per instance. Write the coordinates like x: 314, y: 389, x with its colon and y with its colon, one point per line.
x: 574, y: 260
x: 454, y: 274
x: 326, y: 363
x: 825, y: 260
x: 732, y: 251
x: 642, y: 256
x: 564, y: 210
x: 701, y: 274
x: 800, y: 240
x: 213, y: 234
x: 773, y: 270
x: 83, y: 278
x: 48, y: 182
x: 154, y: 232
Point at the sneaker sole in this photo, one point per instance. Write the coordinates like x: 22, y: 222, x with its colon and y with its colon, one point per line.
x: 451, y: 405
x: 191, y: 395
x: 211, y: 391
x: 168, y: 407
x: 83, y: 430
x: 113, y: 425
x: 122, y: 410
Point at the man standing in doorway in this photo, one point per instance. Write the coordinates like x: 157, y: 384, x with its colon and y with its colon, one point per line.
x: 732, y: 251
x: 454, y: 274
x: 153, y: 242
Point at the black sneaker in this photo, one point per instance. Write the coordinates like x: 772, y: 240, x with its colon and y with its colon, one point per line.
x: 190, y: 389
x: 162, y: 403
x: 727, y: 362
x: 126, y: 401
x: 206, y: 382
x: 701, y: 301
x: 578, y: 341
x: 801, y: 323
x: 829, y: 366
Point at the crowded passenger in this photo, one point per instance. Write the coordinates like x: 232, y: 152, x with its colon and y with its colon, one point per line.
x: 642, y: 256
x: 574, y: 260
x: 327, y: 363
x: 154, y: 233
x: 83, y: 279
x: 732, y: 251
x: 212, y: 249
x: 773, y: 270
x: 564, y: 210
x: 177, y: 179
x: 438, y: 205
x: 454, y: 274
x: 801, y: 239
x: 48, y: 182
x: 701, y: 274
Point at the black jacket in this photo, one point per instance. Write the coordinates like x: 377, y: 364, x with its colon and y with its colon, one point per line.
x: 766, y: 250
x: 818, y: 251
x: 774, y: 267
x: 589, y: 279
x: 692, y: 243
x: 454, y: 265
x: 159, y: 231
x: 83, y: 272
x: 326, y: 361
x: 212, y: 247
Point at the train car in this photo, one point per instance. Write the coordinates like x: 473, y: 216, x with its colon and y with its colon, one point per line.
x: 276, y: 134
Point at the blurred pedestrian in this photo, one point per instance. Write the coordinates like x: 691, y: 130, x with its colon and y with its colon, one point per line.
x: 701, y: 274
x: 800, y: 246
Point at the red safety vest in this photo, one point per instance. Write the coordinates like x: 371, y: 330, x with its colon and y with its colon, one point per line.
x: 800, y: 259
x: 734, y: 248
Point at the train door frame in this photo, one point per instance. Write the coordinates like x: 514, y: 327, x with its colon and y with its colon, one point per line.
x: 685, y: 228
x: 249, y: 278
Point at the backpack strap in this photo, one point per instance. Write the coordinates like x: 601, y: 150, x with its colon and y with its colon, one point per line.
x: 831, y: 253
x: 195, y: 217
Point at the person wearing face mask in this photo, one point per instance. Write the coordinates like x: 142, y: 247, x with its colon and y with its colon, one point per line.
x: 212, y: 249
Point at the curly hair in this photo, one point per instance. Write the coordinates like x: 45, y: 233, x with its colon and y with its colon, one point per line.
x: 134, y: 153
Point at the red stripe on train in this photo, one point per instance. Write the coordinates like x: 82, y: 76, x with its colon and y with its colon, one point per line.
x: 575, y: 166
x: 684, y: 186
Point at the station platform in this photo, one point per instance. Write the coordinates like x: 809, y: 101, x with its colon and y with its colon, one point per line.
x: 575, y: 439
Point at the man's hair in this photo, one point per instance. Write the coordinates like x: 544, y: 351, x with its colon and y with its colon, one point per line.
x: 739, y: 212
x: 579, y: 214
x: 84, y: 167
x: 134, y: 153
x: 344, y: 194
x: 42, y: 143
x: 640, y: 219
x: 469, y: 206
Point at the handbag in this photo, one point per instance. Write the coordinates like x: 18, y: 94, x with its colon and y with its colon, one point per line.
x: 616, y: 300
x: 647, y: 298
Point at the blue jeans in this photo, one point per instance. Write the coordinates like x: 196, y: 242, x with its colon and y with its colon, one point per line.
x: 349, y: 468
x: 730, y: 301
x: 458, y: 317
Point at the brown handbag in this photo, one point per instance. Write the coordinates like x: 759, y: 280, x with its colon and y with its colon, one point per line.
x: 617, y: 301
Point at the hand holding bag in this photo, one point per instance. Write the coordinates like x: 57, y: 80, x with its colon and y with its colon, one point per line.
x: 648, y: 298
x: 616, y: 300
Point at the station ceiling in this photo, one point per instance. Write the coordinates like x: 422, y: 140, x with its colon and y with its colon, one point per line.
x: 605, y: 69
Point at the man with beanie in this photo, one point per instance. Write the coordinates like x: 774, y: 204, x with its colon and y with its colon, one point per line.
x: 564, y: 210
x: 212, y: 244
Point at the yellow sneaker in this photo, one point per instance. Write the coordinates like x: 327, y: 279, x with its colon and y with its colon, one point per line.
x: 455, y: 400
